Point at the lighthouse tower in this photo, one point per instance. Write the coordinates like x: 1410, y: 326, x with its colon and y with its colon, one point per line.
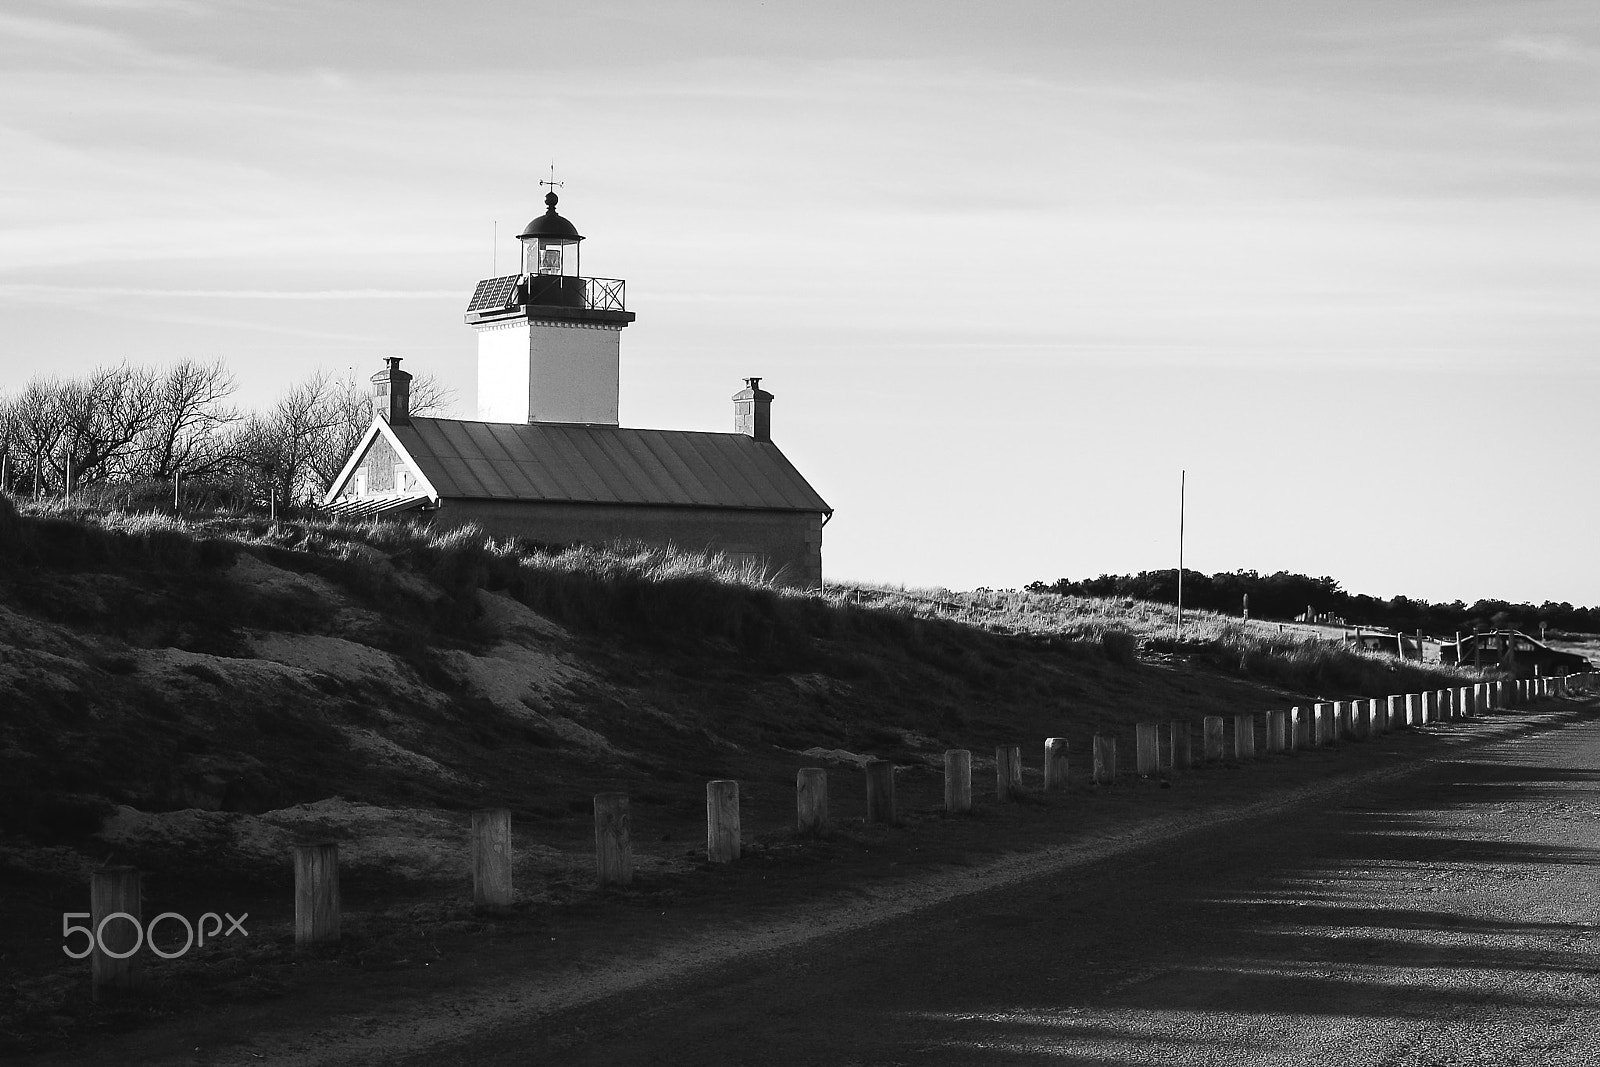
x: 549, y: 338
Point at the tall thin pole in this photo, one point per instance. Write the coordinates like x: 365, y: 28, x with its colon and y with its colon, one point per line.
x: 1183, y: 476
x: 494, y: 251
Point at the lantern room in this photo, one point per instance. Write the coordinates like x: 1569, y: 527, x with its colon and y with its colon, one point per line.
x: 547, y: 241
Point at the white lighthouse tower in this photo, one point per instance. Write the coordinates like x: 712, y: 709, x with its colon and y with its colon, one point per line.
x: 549, y: 338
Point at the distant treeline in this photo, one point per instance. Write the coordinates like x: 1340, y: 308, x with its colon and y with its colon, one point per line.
x: 1285, y: 596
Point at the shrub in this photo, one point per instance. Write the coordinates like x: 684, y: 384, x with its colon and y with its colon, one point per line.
x: 1120, y: 647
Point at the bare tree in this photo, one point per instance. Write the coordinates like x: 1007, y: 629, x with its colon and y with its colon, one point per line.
x: 39, y: 420
x: 9, y: 435
x: 126, y: 424
x: 431, y: 397
x: 278, y: 447
x: 190, y: 413
x: 103, y: 416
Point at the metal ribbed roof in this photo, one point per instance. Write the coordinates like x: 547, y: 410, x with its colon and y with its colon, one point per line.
x: 576, y: 463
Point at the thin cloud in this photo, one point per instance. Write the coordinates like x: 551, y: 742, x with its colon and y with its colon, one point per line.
x: 66, y: 40
x: 29, y: 289
x: 1551, y: 49
x: 178, y: 7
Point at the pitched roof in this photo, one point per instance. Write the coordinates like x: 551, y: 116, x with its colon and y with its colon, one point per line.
x: 577, y: 463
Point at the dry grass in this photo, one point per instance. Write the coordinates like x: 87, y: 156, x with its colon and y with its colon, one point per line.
x: 1283, y: 656
x: 670, y: 596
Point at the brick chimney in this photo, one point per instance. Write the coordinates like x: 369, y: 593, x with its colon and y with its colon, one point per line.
x: 391, y: 393
x: 752, y: 411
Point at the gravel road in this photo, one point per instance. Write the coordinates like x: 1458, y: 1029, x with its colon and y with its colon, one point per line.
x: 1444, y: 915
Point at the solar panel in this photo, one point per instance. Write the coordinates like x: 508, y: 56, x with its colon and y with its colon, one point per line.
x: 492, y: 294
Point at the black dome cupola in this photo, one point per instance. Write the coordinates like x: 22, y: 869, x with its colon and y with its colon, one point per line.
x: 544, y: 241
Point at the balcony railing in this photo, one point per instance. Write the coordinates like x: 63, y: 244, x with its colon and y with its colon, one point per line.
x: 496, y: 295
x: 605, y: 294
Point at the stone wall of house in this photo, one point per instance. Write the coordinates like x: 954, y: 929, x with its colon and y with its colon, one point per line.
x: 789, y: 542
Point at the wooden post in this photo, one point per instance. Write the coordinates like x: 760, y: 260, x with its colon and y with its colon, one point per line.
x: 1211, y: 735
x: 811, y: 800
x: 1007, y: 771
x: 1055, y: 763
x: 491, y: 856
x: 1105, y: 759
x: 316, y: 892
x: 1394, y: 715
x: 1146, y: 749
x: 1276, y: 722
x: 1244, y: 737
x: 1321, y: 724
x: 722, y: 821
x: 613, y: 841
x: 1413, y: 709
x: 116, y: 920
x: 1341, y: 719
x: 1179, y: 735
x: 1295, y: 725
x: 880, y: 791
x: 1466, y: 702
x: 957, y: 779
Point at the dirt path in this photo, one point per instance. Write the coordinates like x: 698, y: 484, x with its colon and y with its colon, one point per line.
x: 1148, y: 924
x: 1443, y: 916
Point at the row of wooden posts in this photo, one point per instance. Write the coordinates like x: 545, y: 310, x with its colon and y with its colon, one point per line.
x: 1158, y: 747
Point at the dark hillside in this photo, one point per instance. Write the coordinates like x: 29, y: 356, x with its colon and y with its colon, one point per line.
x: 190, y: 698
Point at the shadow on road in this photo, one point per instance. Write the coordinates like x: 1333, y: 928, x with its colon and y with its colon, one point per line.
x: 1425, y: 908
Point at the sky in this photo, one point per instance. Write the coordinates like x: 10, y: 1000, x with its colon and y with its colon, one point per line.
x: 1008, y: 267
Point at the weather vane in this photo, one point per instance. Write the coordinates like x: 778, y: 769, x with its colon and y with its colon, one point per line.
x: 552, y: 183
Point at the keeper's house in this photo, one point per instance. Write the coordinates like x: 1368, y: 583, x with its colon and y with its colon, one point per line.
x: 547, y: 461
